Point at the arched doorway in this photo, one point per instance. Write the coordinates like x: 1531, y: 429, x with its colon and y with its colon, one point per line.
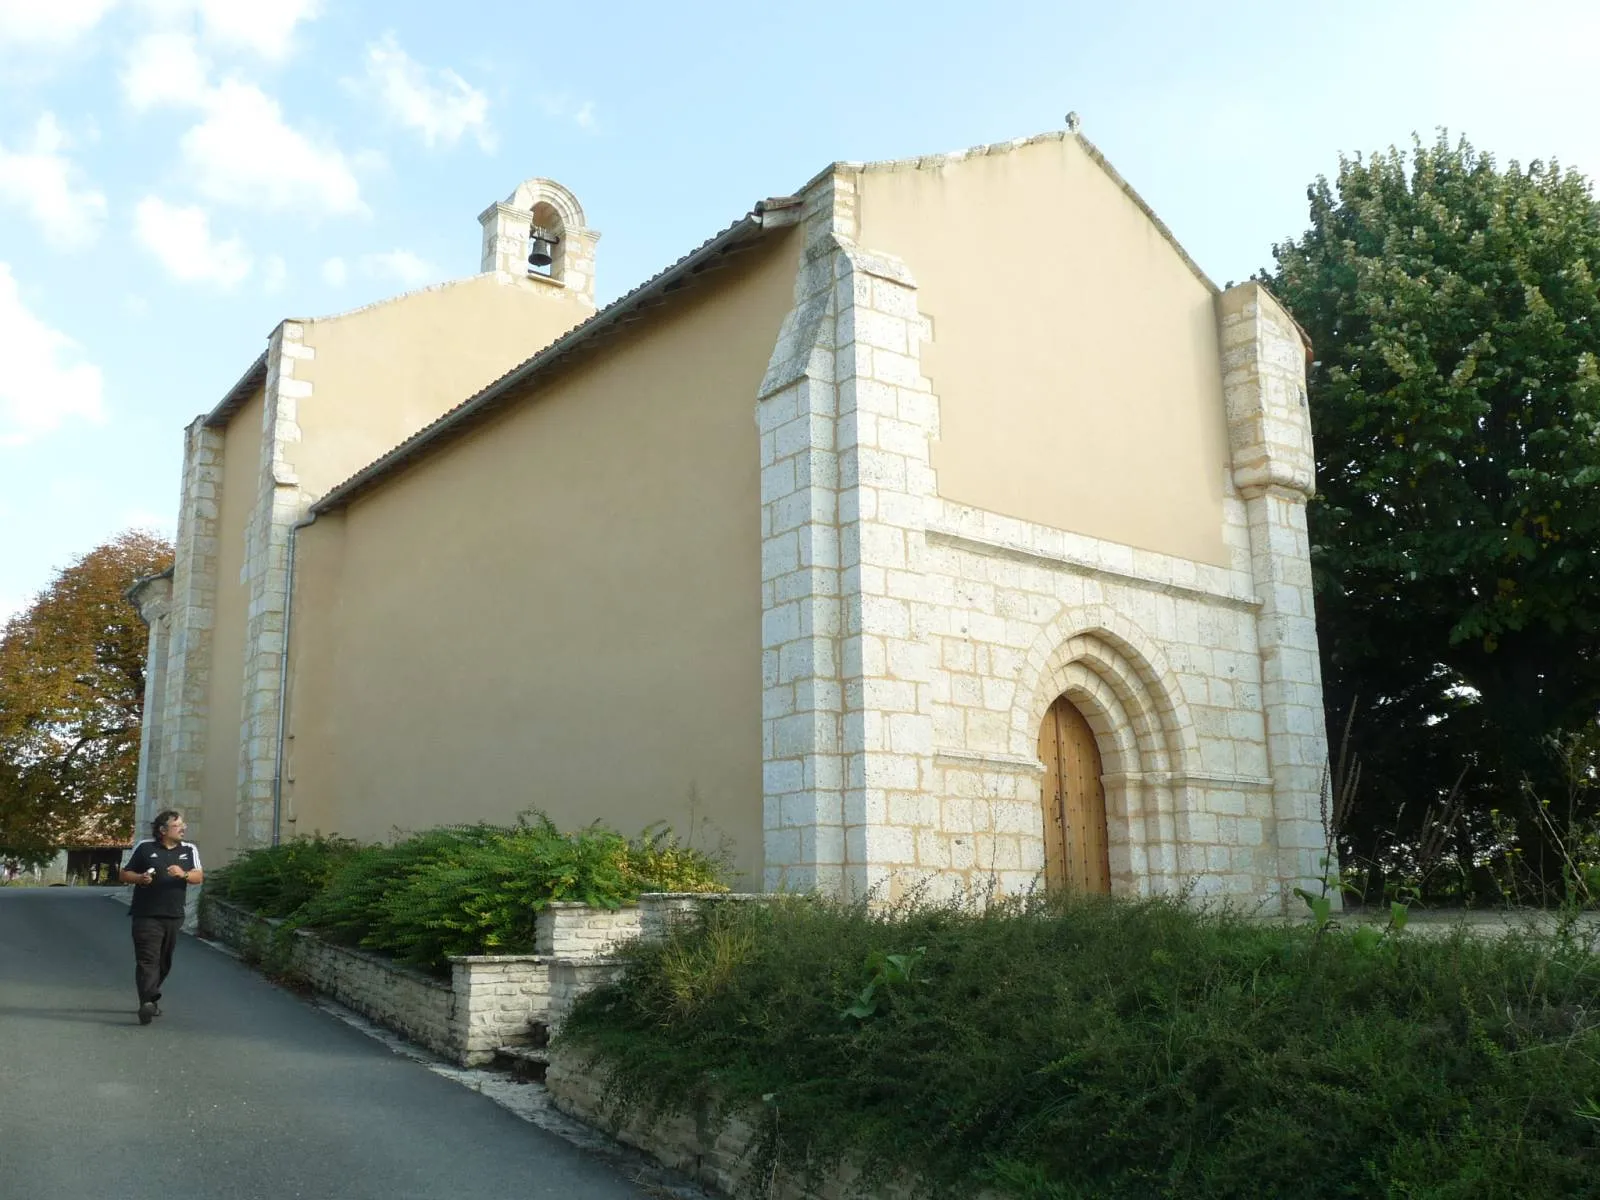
x: 1076, y: 845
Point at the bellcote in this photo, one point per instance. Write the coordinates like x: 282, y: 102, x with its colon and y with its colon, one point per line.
x: 543, y: 214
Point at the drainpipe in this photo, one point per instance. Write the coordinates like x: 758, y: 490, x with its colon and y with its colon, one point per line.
x: 283, y: 679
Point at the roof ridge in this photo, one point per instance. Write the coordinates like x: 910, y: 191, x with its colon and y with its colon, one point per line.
x: 1072, y: 133
x: 345, y: 491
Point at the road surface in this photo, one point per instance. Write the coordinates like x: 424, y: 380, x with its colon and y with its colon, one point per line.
x: 238, y: 1090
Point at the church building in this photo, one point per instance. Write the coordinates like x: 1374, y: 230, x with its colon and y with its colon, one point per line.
x: 939, y: 523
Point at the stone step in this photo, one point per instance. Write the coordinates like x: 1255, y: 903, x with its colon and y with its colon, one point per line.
x: 524, y: 1062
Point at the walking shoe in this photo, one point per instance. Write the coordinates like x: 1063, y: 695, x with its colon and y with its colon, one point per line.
x: 155, y: 1009
x: 147, y: 1012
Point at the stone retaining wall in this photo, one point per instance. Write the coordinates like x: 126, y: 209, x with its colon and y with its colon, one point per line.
x: 717, y: 1153
x: 567, y: 929
x: 423, y: 1008
x: 490, y: 1000
x: 660, y: 911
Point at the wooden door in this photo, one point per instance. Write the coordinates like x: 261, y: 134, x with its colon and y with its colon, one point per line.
x: 1076, y: 848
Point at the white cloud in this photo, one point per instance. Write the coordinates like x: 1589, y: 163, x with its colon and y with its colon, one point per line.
x: 264, y: 27
x: 399, y: 266
x: 48, y: 23
x: 181, y: 240
x: 335, y: 273
x: 437, y: 103
x: 42, y: 181
x: 43, y: 383
x: 243, y: 153
x: 165, y: 68
x: 564, y: 108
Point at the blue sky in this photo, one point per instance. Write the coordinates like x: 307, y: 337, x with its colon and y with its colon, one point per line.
x: 178, y: 175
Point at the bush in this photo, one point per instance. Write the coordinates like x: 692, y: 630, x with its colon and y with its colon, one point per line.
x: 277, y: 881
x: 1105, y: 1048
x: 468, y: 889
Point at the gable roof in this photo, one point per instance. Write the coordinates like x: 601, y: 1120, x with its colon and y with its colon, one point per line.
x: 240, y: 392
x: 768, y: 215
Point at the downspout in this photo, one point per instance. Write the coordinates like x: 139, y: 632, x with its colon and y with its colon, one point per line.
x: 283, y: 679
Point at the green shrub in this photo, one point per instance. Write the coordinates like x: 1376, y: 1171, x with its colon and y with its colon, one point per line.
x: 276, y: 881
x: 467, y: 889
x: 1089, y: 1048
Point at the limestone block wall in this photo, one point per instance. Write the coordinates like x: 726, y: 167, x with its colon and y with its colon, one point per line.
x: 154, y: 600
x: 714, y: 1148
x: 659, y: 912
x: 571, y: 978
x: 569, y: 929
x: 912, y: 646
x: 488, y: 1002
x: 191, y: 617
x: 399, y: 998
x: 1160, y: 656
x: 280, y: 502
x: 506, y: 229
x: 498, y: 997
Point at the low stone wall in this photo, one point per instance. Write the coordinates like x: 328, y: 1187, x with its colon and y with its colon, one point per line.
x: 499, y: 998
x: 660, y: 911
x: 490, y: 1000
x: 567, y: 929
x: 570, y: 978
x: 717, y: 1153
x: 419, y: 1006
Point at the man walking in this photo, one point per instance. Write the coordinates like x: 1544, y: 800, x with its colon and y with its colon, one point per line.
x: 161, y: 870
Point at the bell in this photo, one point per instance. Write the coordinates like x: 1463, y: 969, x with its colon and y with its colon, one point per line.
x: 540, y: 248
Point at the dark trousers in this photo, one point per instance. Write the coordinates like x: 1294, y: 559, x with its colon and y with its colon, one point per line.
x: 153, y: 942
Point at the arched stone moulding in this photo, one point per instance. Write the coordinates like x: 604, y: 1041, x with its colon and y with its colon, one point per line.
x: 1115, y: 676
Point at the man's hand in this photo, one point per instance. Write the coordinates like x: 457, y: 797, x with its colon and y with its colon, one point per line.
x: 176, y: 871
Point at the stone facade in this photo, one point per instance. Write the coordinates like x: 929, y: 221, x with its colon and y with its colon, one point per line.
x: 280, y: 502
x: 184, y: 715
x: 912, y: 646
x: 153, y: 598
x: 180, y: 697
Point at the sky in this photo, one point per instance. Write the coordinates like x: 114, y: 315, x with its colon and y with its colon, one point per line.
x: 177, y: 176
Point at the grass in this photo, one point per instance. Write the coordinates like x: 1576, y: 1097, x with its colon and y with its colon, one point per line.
x: 1094, y: 1048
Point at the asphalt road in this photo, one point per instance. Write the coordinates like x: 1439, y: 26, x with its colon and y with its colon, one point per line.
x: 238, y: 1090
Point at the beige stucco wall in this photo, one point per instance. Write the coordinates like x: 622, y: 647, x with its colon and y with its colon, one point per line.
x: 214, y: 828
x: 1074, y: 352
x: 562, y: 610
x: 381, y: 373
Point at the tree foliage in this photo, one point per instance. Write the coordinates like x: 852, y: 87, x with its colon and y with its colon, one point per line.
x: 1455, y: 313
x: 71, y: 700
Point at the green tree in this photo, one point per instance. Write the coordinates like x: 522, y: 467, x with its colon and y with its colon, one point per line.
x: 71, y: 700
x: 1455, y: 400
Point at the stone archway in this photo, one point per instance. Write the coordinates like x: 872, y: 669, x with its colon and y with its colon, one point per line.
x: 1131, y: 703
